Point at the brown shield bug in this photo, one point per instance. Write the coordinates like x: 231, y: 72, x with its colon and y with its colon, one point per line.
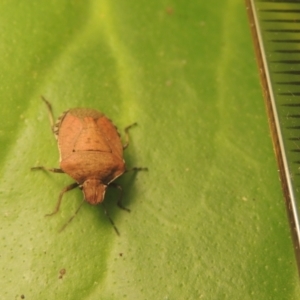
x: 91, y: 152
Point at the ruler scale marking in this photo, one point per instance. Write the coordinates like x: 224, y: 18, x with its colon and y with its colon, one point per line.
x: 275, y: 26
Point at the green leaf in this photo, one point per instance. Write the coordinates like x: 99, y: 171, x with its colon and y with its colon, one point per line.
x: 207, y: 220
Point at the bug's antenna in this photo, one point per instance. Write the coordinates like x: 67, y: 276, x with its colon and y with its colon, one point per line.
x: 111, y: 221
x: 77, y: 210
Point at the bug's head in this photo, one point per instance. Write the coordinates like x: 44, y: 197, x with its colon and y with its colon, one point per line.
x: 94, y: 191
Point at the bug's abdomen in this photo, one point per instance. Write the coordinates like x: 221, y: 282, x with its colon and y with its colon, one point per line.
x: 88, y: 134
x: 90, y: 146
x: 101, y: 165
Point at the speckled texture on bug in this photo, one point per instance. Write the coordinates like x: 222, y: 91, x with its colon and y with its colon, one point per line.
x: 90, y: 149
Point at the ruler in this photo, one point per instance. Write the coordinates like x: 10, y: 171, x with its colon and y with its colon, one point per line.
x: 275, y: 27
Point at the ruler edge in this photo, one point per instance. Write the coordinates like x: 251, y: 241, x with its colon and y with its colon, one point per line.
x: 273, y: 120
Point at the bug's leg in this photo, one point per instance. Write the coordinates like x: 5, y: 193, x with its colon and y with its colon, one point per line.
x: 77, y: 210
x: 64, y: 190
x: 120, y: 204
x: 110, y: 220
x: 50, y: 111
x: 54, y: 170
x: 127, y: 135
